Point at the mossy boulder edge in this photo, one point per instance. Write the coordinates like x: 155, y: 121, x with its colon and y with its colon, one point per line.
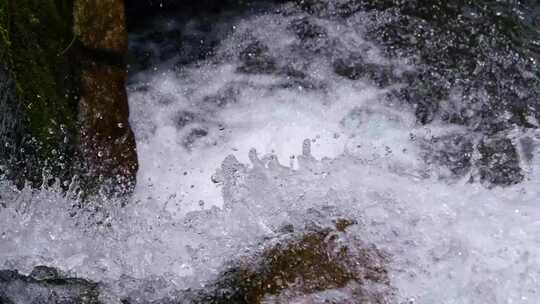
x: 44, y: 52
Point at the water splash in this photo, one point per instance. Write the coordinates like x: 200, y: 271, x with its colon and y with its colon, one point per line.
x: 281, y: 127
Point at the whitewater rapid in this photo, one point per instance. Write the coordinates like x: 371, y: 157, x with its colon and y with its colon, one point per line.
x: 263, y: 133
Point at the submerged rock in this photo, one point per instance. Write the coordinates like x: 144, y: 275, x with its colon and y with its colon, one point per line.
x: 184, y: 118
x: 193, y: 135
x: 325, y: 8
x: 317, y: 263
x: 256, y: 59
x: 453, y: 152
x: 41, y: 273
x: 425, y: 91
x: 475, y: 65
x: 321, y: 264
x: 499, y: 162
x: 354, y: 68
x: 45, y: 286
x: 490, y: 70
x: 305, y: 29
x: 221, y: 99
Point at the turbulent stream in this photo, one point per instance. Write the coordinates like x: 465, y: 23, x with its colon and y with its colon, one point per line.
x: 284, y: 115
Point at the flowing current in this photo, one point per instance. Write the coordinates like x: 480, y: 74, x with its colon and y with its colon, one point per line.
x: 251, y: 126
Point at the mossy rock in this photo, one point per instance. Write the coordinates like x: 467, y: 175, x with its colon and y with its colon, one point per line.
x: 50, y: 48
x: 101, y: 24
x: 35, y: 40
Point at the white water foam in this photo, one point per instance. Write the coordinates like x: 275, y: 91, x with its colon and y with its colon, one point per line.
x: 197, y: 208
x: 271, y: 113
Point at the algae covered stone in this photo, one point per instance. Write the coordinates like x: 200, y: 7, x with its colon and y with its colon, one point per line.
x: 60, y: 61
x: 41, y: 115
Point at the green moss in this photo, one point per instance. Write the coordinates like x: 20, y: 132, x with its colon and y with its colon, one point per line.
x: 4, y: 31
x: 35, y: 34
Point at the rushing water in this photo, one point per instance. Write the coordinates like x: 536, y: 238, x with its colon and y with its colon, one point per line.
x: 252, y: 126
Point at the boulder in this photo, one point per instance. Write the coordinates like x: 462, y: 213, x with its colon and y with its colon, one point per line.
x: 499, y: 162
x: 452, y: 151
x: 317, y: 265
x: 107, y: 143
x: 475, y: 65
x: 63, y: 74
x: 101, y: 25
x: 255, y: 59
x: 42, y: 107
x: 45, y: 285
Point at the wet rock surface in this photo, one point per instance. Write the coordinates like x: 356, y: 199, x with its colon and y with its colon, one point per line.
x: 468, y: 74
x: 454, y: 152
x: 45, y: 285
x: 223, y: 98
x: 461, y: 72
x: 60, y: 61
x: 354, y: 68
x: 499, y: 162
x: 11, y: 125
x: 193, y: 33
x: 256, y: 59
x: 306, y: 29
x: 318, y: 263
x: 107, y: 142
x: 485, y: 68
x: 101, y: 24
x: 464, y: 76
x: 313, y: 264
x: 41, y: 104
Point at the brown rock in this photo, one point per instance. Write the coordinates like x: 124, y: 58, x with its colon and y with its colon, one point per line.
x: 107, y: 142
x: 63, y: 64
x: 101, y: 24
x: 300, y: 266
